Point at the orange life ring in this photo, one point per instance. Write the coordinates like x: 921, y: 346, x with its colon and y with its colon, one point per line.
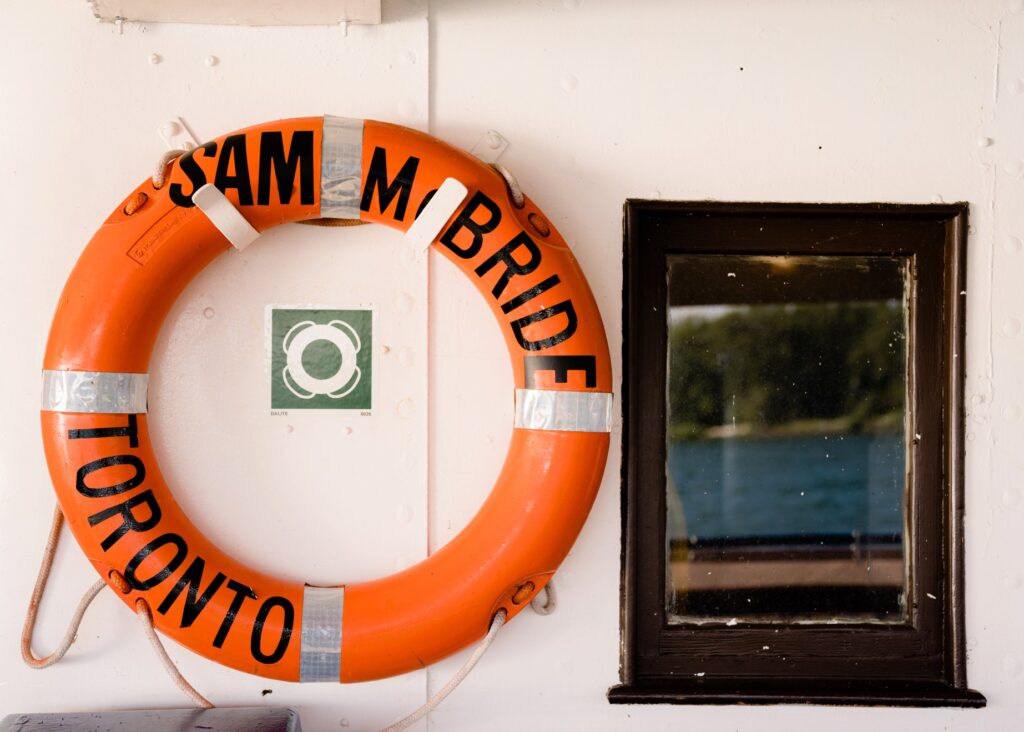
x: 124, y: 516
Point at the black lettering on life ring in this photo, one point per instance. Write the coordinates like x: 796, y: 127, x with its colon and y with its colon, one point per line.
x: 526, y: 295
x: 234, y: 151
x: 232, y: 172
x: 129, y: 522
x: 130, y: 430
x: 377, y: 181
x: 423, y: 204
x: 255, y: 641
x: 563, y: 308
x: 465, y: 221
x: 561, y: 365
x: 109, y: 462
x: 131, y: 571
x: 512, y: 267
x: 196, y: 175
x: 298, y: 161
x: 242, y: 593
x: 195, y: 600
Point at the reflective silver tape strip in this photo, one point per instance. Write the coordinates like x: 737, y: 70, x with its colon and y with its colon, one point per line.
x: 94, y: 392
x: 432, y: 219
x: 341, y: 168
x: 223, y: 214
x: 320, y: 652
x: 564, y: 411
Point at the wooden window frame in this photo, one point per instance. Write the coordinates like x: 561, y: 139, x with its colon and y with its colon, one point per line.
x: 921, y: 663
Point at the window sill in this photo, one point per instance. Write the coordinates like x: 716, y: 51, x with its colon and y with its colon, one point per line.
x: 795, y: 691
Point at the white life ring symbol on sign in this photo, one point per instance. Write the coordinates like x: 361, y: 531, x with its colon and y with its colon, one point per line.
x: 344, y: 380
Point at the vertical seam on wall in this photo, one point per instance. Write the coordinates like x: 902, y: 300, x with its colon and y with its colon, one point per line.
x: 993, y: 188
x: 428, y: 681
x: 991, y: 264
x: 987, y: 371
x: 427, y: 255
x: 430, y: 71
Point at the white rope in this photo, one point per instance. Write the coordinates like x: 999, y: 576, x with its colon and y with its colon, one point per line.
x: 145, y: 615
x: 513, y: 185
x: 160, y: 173
x: 142, y: 610
x: 550, y: 600
x: 70, y: 636
x: 496, y: 623
x: 37, y: 595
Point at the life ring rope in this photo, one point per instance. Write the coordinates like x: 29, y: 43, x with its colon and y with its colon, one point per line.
x: 145, y: 615
x: 142, y: 610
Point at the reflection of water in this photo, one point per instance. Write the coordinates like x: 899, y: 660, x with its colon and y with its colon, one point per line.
x: 770, y: 486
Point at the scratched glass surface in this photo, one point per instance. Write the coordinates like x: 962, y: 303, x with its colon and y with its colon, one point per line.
x: 786, y: 439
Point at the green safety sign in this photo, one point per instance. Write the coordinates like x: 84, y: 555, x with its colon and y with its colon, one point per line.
x: 321, y: 359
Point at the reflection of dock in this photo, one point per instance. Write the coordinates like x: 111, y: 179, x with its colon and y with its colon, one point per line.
x: 726, y: 575
x: 770, y: 578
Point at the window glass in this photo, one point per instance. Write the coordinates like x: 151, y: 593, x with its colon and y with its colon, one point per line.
x: 786, y: 437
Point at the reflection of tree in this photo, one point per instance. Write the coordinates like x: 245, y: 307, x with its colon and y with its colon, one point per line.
x: 769, y: 365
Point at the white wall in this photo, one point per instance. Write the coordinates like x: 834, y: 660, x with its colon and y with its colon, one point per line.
x: 790, y: 101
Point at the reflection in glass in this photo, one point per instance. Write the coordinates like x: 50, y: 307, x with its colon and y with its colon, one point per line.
x: 786, y: 442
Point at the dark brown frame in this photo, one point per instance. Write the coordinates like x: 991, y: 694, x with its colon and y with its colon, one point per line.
x: 922, y: 663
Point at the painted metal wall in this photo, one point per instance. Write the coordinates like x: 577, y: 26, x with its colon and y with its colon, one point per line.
x: 908, y: 101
